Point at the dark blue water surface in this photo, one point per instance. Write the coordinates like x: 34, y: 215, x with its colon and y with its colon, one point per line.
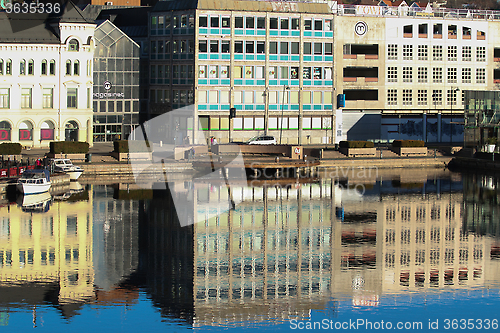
x: 416, y: 251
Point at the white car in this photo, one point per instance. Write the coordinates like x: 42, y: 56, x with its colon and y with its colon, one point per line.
x: 262, y: 140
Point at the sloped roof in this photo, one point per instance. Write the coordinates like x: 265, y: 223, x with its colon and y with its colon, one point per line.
x: 38, y: 28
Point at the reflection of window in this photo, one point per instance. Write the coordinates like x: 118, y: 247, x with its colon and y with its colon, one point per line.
x: 307, y: 73
x: 317, y: 73
x: 294, y: 73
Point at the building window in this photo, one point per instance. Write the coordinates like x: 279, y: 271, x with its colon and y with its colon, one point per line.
x: 467, y: 53
x: 52, y: 67
x: 1, y: 66
x: 437, y: 52
x: 307, y: 48
x: 407, y: 74
x: 466, y: 75
x: 392, y: 52
x: 422, y: 52
x: 72, y: 98
x: 407, y: 52
x: 22, y: 67
x: 214, y: 21
x: 481, y: 53
x: 451, y: 97
x: 480, y: 75
x: 4, y: 98
x: 452, y: 75
x: 226, y: 22
x: 437, y: 97
x: 26, y: 98
x: 214, y: 46
x: 202, y: 46
x: 392, y: 74
x: 89, y: 67
x: 422, y: 97
x: 73, y: 45
x: 452, y: 53
x: 392, y: 97
x: 68, y: 67
x: 422, y: 74
x: 261, y: 22
x: 407, y: 97
x: 47, y: 98
x: 437, y: 75
x: 203, y: 22
x: 44, y: 67
x: 76, y: 68
x: 31, y: 65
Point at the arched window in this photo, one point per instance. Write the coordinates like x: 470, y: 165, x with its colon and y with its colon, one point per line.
x: 47, y: 130
x: 71, y: 131
x: 1, y: 66
x: 8, y: 67
x: 68, y: 67
x: 5, y: 129
x: 31, y: 67
x: 73, y: 45
x: 52, y: 67
x: 26, y: 130
x: 44, y: 67
x: 22, y: 67
x: 76, y: 68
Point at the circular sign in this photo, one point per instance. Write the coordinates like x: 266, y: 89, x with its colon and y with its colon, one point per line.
x: 360, y: 28
x: 297, y: 150
x: 107, y: 85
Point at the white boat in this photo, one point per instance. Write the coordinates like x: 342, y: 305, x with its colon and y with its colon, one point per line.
x: 65, y: 165
x: 35, y: 203
x: 34, y: 181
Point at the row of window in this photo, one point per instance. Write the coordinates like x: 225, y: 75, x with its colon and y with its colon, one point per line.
x: 258, y: 97
x: 258, y: 123
x: 437, y: 31
x: 437, y: 52
x: 422, y: 97
x: 259, y: 47
x: 250, y: 22
x: 437, y: 75
x: 176, y: 21
x: 240, y: 72
x: 46, y: 67
x: 47, y: 98
x: 176, y: 46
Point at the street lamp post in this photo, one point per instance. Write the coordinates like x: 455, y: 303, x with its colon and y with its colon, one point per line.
x: 285, y: 87
x: 454, y: 97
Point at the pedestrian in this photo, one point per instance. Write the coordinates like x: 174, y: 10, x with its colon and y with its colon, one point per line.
x: 38, y: 163
x: 215, y: 141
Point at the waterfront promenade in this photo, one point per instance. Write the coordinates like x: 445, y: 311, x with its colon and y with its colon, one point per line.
x: 102, y: 164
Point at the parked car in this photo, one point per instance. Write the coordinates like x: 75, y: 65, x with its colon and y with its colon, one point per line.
x: 262, y: 140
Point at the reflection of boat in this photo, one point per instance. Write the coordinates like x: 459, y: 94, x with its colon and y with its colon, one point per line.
x: 34, y: 181
x: 74, y: 187
x: 35, y: 203
x: 65, y: 165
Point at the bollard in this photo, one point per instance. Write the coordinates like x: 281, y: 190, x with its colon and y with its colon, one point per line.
x: 381, y: 154
x: 434, y: 153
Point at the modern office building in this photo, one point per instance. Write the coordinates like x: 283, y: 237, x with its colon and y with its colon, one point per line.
x: 402, y: 69
x: 116, y: 84
x: 46, y: 78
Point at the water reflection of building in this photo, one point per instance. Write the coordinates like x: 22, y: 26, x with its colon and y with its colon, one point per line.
x: 77, y: 252
x: 286, y: 250
x: 53, y: 248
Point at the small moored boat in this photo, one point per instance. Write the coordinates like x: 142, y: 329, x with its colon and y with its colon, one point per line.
x: 34, y: 181
x: 65, y: 165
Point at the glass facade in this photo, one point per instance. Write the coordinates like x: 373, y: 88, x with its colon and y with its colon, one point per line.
x: 116, y: 84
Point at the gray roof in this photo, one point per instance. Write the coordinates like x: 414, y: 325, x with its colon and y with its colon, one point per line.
x: 239, y: 5
x: 37, y: 28
x: 26, y: 28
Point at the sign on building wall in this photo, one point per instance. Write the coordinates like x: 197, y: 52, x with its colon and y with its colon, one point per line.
x: 338, y: 126
x: 285, y: 7
x: 370, y: 10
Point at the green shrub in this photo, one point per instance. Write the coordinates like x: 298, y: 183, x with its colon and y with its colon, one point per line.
x: 69, y: 147
x: 124, y: 146
x: 356, y: 144
x: 10, y: 148
x: 408, y: 143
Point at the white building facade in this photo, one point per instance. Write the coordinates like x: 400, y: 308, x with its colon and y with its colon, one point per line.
x: 46, y: 79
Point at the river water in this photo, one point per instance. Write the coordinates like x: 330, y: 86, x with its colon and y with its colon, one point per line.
x: 415, y: 250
